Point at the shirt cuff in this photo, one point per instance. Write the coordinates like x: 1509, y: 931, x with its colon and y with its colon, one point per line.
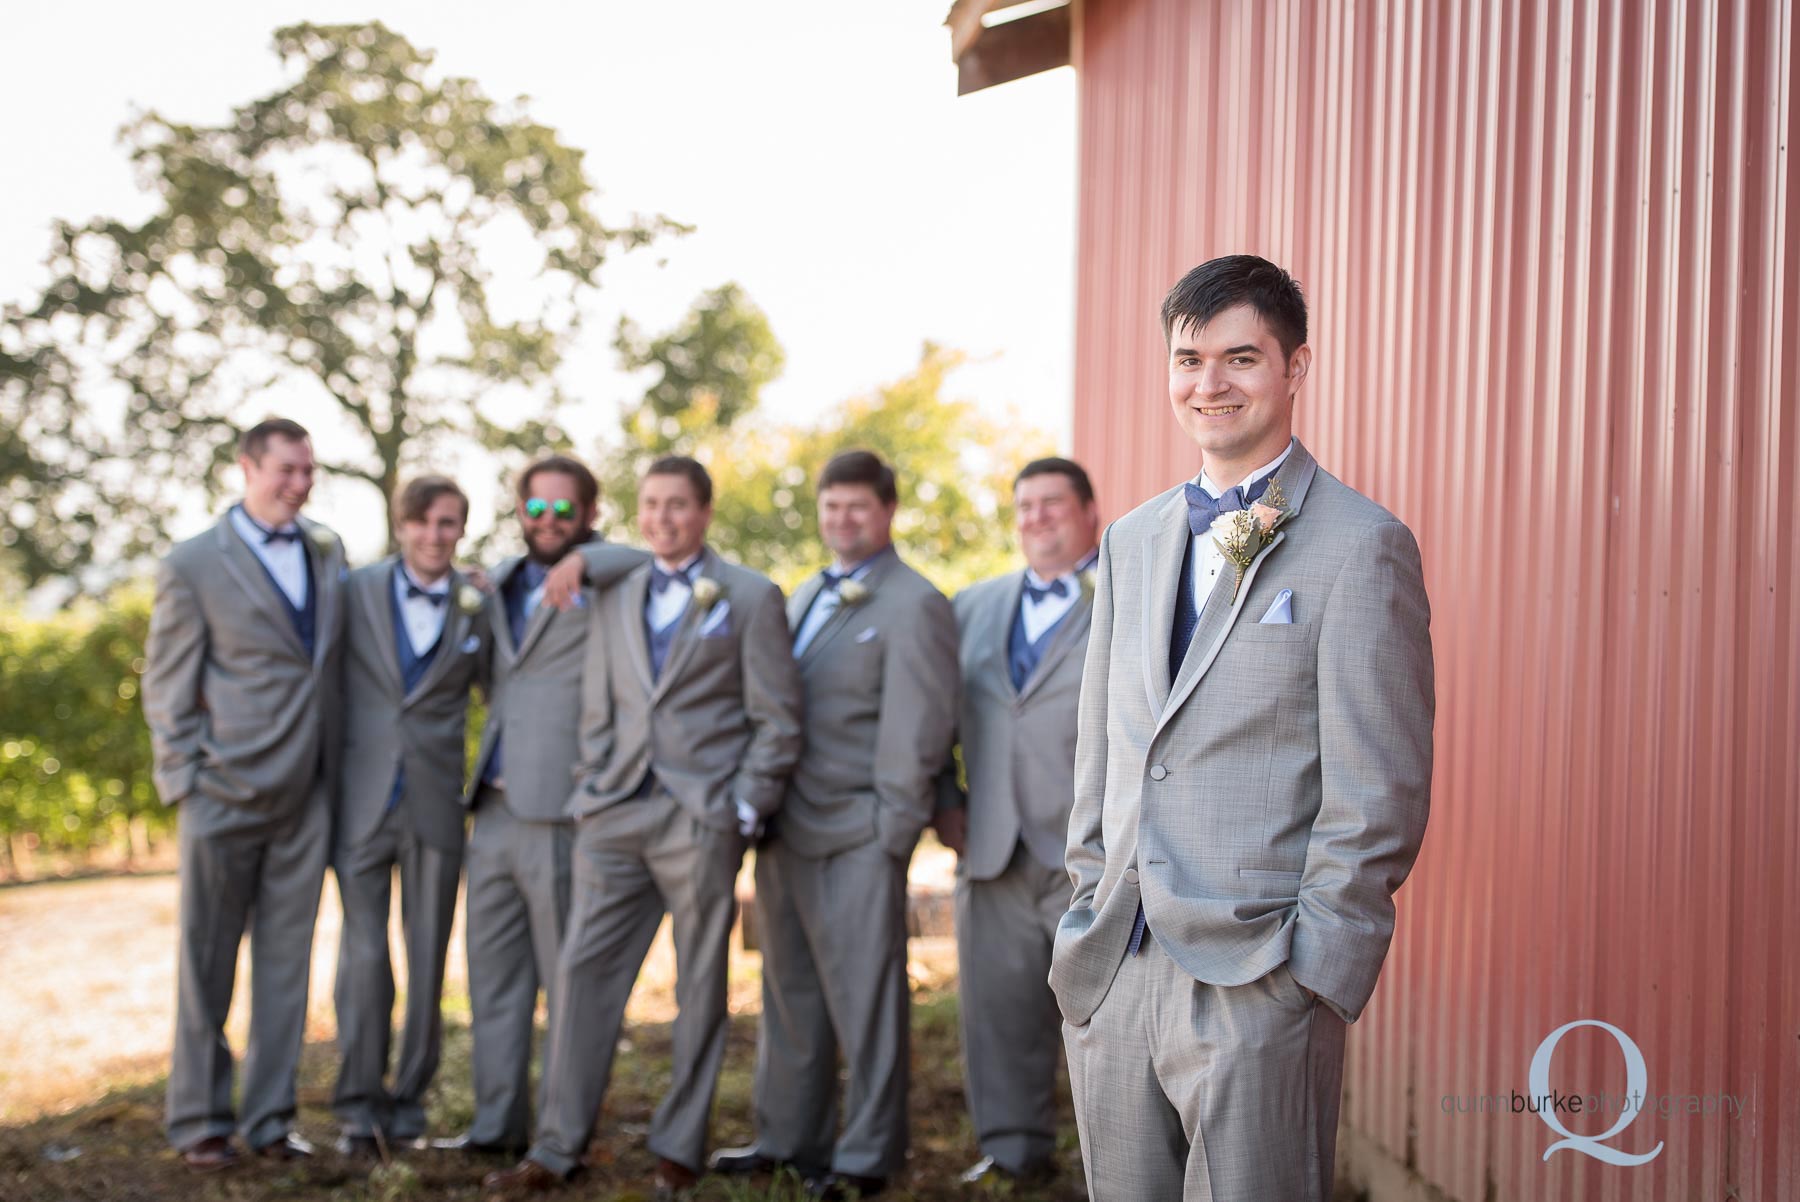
x: 748, y: 820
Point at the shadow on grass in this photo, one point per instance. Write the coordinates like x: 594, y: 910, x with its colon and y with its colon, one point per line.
x: 113, y: 1150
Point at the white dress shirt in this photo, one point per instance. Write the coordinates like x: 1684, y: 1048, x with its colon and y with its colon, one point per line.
x: 1208, y: 562
x: 665, y: 607
x: 424, y: 622
x: 827, y: 602
x: 285, y: 558
x: 1042, y: 615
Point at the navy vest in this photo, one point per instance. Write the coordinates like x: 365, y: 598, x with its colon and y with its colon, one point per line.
x: 1022, y: 655
x: 305, y: 617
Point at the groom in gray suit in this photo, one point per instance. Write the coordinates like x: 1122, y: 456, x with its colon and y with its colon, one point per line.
x: 876, y: 645
x: 518, y: 852
x: 1251, y: 781
x: 690, y: 727
x: 416, y: 643
x: 240, y: 694
x: 1024, y: 637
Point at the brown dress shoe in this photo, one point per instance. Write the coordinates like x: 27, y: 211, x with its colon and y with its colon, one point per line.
x: 526, y: 1177
x: 210, y: 1154
x: 673, y: 1179
x: 288, y: 1147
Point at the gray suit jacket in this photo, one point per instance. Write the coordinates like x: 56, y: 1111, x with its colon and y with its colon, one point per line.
x: 238, y: 713
x: 1018, y: 744
x: 384, y: 725
x: 535, y: 695
x: 881, y: 686
x: 1267, y: 802
x: 719, y: 724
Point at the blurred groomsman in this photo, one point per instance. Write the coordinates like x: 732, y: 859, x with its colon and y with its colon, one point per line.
x: 690, y: 727
x: 1024, y: 638
x: 518, y: 852
x: 240, y: 693
x: 415, y: 644
x: 876, y: 645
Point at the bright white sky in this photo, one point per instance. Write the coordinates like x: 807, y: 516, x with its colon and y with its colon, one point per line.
x: 818, y: 145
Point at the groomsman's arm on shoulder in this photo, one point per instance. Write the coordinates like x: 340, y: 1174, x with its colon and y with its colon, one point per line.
x: 773, y: 702
x: 598, y: 563
x: 1085, y: 857
x: 1375, y: 716
x: 174, y: 663
x: 920, y: 687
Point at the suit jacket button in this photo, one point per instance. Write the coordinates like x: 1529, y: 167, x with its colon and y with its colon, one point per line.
x: 1157, y: 772
x: 1131, y: 876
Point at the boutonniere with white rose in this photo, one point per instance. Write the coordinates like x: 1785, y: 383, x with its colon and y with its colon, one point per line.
x: 324, y: 538
x: 469, y: 599
x: 706, y: 591
x: 1242, y: 534
x: 853, y: 592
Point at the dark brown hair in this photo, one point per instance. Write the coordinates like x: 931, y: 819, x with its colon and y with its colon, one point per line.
x: 1055, y: 465
x: 586, y: 487
x: 422, y: 492
x: 254, y: 441
x: 690, y: 469
x: 861, y: 467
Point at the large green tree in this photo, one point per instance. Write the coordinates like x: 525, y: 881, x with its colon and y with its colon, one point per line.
x: 375, y: 234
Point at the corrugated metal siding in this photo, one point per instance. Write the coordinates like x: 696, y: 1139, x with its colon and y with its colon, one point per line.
x: 1553, y: 256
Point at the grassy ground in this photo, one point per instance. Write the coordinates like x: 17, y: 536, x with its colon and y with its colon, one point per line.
x: 86, y: 1012
x: 113, y: 1149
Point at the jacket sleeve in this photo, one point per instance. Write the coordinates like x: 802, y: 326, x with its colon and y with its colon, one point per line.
x: 920, y: 689
x: 772, y: 702
x: 175, y: 664
x: 1376, y: 704
x: 1085, y: 856
x: 608, y: 563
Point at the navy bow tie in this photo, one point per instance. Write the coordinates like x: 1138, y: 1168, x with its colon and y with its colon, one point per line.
x: 833, y: 578
x: 1058, y: 587
x: 661, y: 580
x: 436, y: 598
x: 1203, y: 510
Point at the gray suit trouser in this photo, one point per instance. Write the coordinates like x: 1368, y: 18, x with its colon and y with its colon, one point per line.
x: 833, y: 932
x: 1010, y: 1024
x: 365, y: 977
x: 264, y: 877
x: 633, y: 862
x: 1208, y: 1093
x: 517, y: 903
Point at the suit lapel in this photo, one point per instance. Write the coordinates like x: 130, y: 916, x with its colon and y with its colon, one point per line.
x: 1074, y: 627
x: 1294, y: 476
x: 1165, y: 556
x: 634, y: 593
x: 247, y: 570
x: 534, y: 627
x: 687, y: 634
x: 373, y: 592
x: 456, y: 628
x: 840, y: 617
x: 997, y: 638
x: 502, y: 621
x: 325, y: 584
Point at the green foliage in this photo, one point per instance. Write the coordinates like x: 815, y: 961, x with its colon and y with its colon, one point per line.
x: 74, y: 750
x: 339, y: 236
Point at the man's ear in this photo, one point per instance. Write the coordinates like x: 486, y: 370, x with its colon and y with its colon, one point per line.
x: 1299, y: 363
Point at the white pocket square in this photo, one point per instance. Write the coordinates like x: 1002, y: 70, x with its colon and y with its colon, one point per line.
x: 471, y: 645
x: 715, y: 621
x: 867, y: 636
x: 1281, y: 610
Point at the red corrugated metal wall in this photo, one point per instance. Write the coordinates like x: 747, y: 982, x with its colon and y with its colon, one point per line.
x: 1553, y: 257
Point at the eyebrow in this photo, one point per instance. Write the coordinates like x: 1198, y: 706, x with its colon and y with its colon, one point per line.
x: 1245, y: 348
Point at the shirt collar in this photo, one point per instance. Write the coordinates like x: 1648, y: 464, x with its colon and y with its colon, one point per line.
x: 1087, y: 561
x: 1215, y: 492
x: 242, y: 518
x: 405, y: 577
x: 862, y: 569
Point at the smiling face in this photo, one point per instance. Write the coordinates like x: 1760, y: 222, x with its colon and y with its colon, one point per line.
x: 277, y: 482
x: 428, y: 542
x: 671, y: 518
x: 550, y: 534
x: 854, y: 522
x: 1233, y: 391
x: 1056, y: 527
